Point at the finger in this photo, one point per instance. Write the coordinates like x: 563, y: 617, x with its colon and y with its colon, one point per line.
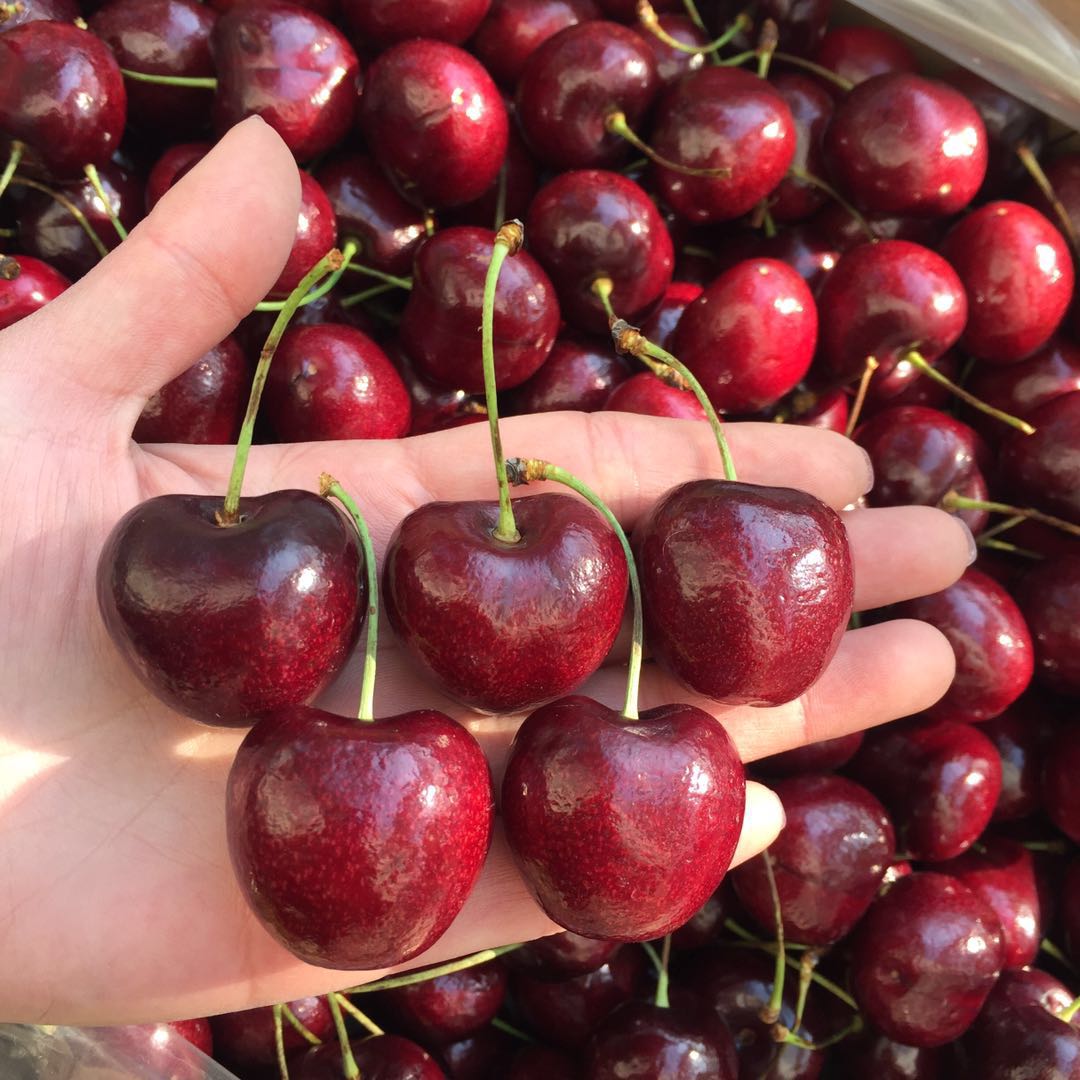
x: 762, y: 824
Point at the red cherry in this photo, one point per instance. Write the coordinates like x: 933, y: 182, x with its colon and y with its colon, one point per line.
x: 671, y: 63
x: 811, y: 109
x: 648, y: 395
x: 382, y: 23
x: 1049, y: 596
x: 174, y: 163
x: 579, y: 373
x: 858, y: 53
x: 316, y: 233
x: 26, y: 284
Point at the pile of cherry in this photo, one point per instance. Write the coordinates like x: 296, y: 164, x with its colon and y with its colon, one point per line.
x: 812, y: 231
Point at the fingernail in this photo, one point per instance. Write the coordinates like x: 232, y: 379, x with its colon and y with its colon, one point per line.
x: 869, y: 471
x: 973, y: 548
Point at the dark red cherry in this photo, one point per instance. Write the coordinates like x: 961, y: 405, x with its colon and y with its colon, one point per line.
x: 925, y: 958
x: 534, y: 1062
x: 573, y: 82
x: 872, y: 1054
x: 224, y: 623
x: 289, y: 66
x: 885, y: 299
x: 902, y: 144
x: 511, y: 194
x: 579, y: 373
x: 706, y: 925
x: 659, y: 327
x: 590, y: 224
x: 204, y: 404
x: 828, y: 861
x: 648, y: 395
x: 811, y: 109
x: 858, y: 53
x: 806, y: 250
x: 480, y: 617
x: 379, y: 1057
x: 26, y: 284
x: 246, y: 1038
x: 671, y: 63
x: 1060, y: 795
x: 435, y: 121
x: 697, y: 549
x: 513, y: 29
x: 316, y: 233
x: 814, y: 757
x: 561, y: 956
x: 174, y: 163
x: 801, y: 23
x: 828, y: 410
x: 626, y: 10
x: 583, y: 825
x: 905, y: 384
x: 433, y: 407
x: 846, y: 231
x: 725, y: 118
x: 32, y: 10
x: 378, y: 24
x: 161, y: 37
x: 330, y: 381
x: 1018, y: 274
x: 62, y: 93
x: 1064, y: 175
x: 440, y: 325
x: 749, y: 338
x: 485, y: 1054
x: 939, y: 779
x: 1020, y: 734
x: 1049, y: 596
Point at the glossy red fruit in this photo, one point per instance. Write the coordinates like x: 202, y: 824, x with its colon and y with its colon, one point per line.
x: 828, y: 862
x: 289, y: 66
x: 828, y: 410
x: 448, y: 1007
x: 61, y: 92
x: 811, y: 109
x: 1060, y: 795
x: 378, y: 1057
x: 225, y: 623
x: 511, y: 194
x: 174, y: 163
x: 435, y: 121
x: 481, y: 618
x: 561, y: 956
x: 33, y: 10
x: 332, y: 872
x: 993, y: 647
x: 316, y: 234
x: 939, y: 779
x: 814, y: 757
x: 587, y: 801
x: 722, y: 118
x: 807, y: 250
x: 924, y: 960
x: 246, y: 1038
x: 1049, y: 596
x: 706, y: 925
x: 160, y: 1049
x: 697, y: 549
x: 204, y: 404
x: 660, y: 326
x: 26, y: 284
x: 749, y: 338
x: 907, y: 385
x: 648, y: 395
x: 671, y: 63
x: 1020, y: 734
x: 902, y: 144
x: 487, y: 1053
x: 378, y: 24
x: 858, y: 53
x: 579, y: 373
x: 440, y: 325
x: 801, y: 23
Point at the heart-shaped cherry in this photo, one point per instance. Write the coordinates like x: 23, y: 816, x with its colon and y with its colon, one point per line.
x: 27, y: 284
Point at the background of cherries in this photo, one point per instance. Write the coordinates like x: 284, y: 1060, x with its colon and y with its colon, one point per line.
x: 934, y: 853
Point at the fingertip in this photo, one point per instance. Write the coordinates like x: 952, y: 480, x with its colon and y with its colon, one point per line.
x: 762, y: 824
x: 935, y: 658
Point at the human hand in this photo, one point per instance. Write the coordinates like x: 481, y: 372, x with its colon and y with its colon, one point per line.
x: 119, y: 902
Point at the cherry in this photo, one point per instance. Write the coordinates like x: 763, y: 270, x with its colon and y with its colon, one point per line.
x: 671, y: 63
x: 823, y: 756
x: 1063, y: 175
x: 561, y: 956
x: 660, y: 325
x: 435, y: 121
x: 858, y: 53
x: 160, y: 1049
x: 161, y: 37
x: 573, y: 82
x: 197, y: 1032
x: 811, y: 108
x: 648, y: 395
x: 174, y: 163
x: 925, y: 958
x: 379, y: 1057
x: 381, y: 23
x: 246, y: 1038
x: 438, y: 327
x: 579, y: 373
x: 1060, y: 794
x: 513, y: 29
x: 316, y: 231
x: 626, y: 10
x: 289, y: 66
x: 589, y: 224
x: 806, y: 250
x: 839, y: 224
x: 324, y: 891
x: 902, y: 144
x: 328, y: 9
x: 61, y: 92
x: 204, y: 404
x: 533, y: 1062
x: 485, y: 1054
x: 749, y: 338
x: 26, y: 284
x: 828, y: 862
x: 828, y: 410
x: 32, y: 10
x: 1070, y: 914
x: 696, y: 550
x: 705, y: 926
x: 876, y: 1055
x: 907, y: 385
x: 263, y: 617
x: 1049, y: 596
x: 939, y: 779
x: 724, y: 118
x: 801, y: 23
x: 433, y: 407
x: 512, y: 193
x: 1020, y: 734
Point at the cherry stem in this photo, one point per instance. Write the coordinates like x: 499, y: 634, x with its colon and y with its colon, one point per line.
x: 500, y: 1024
x: 367, y: 294
x: 953, y: 501
x: 648, y: 18
x: 1069, y: 1011
x: 106, y: 203
x: 348, y: 253
x: 230, y: 513
x: 392, y: 982
x: 190, y: 81
x: 916, y: 359
x: 1002, y: 526
x: 695, y: 15
x: 860, y: 396
x: 348, y: 1062
x: 771, y: 1012
x: 361, y: 1018
x: 302, y: 1030
x: 615, y: 123
x: 390, y: 279
x: 807, y: 963
x: 9, y: 268
x: 523, y: 471
x: 821, y: 72
x: 500, y: 196
x: 329, y: 487
x: 1052, y: 950
x: 279, y: 1044
x: 799, y: 173
x: 1053, y: 847
x: 13, y: 160
x: 1042, y: 182
x: 661, y: 963
x: 508, y: 241
x: 782, y: 1034
x: 69, y: 206
x: 1009, y: 549
x: 740, y: 58
x: 768, y: 39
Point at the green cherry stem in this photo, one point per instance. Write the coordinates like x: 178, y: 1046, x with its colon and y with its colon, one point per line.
x: 821, y: 72
x: 695, y: 15
x: 328, y: 487
x: 411, y: 978
x: 298, y: 1025
x: 279, y: 1044
x: 1048, y: 947
x: 782, y: 1034
x: 362, y: 1019
x: 860, y: 395
x: 348, y: 253
x: 14, y: 157
x: 771, y: 1013
x: 954, y: 501
x: 526, y: 470
x: 807, y: 963
x: 379, y: 275
x: 648, y: 18
x: 366, y: 294
x: 348, y: 1062
x: 768, y: 39
x: 500, y: 1024
x: 230, y: 512
x: 1002, y: 526
x: 615, y: 123
x: 1069, y: 1011
x: 663, y: 980
x: 799, y: 173
x: 103, y: 196
x: 190, y: 81
x: 1009, y: 549
x: 1042, y: 182
x: 69, y: 206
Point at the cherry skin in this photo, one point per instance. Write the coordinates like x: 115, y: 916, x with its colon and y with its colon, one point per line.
x: 32, y: 10
x: 1059, y: 789
x: 828, y: 410
x: 382, y: 23
x: 706, y: 925
x: 561, y: 956
x: 660, y: 326
x: 697, y: 548
x: 511, y: 194
x: 289, y: 66
x: 823, y: 756
x: 174, y: 163
x: 316, y: 232
x: 330, y: 381
x: 379, y: 1057
x: 811, y: 109
x: 433, y: 408
x: 1020, y: 734
x: 246, y: 1038
x: 924, y: 960
x: 722, y: 118
x: 648, y: 395
x: 533, y: 1062
x: 61, y: 92
x: 328, y: 9
x: 671, y: 63
x: 801, y: 23
x: 939, y: 779
x: 447, y: 589
x: 806, y: 249
x: 589, y: 224
x: 593, y: 840
x: 858, y: 53
x: 902, y: 144
x: 323, y: 889
x: 828, y: 862
x: 1049, y: 596
x: 749, y: 338
x: 1064, y: 176
x: 873, y: 1054
x: 225, y: 623
x: 487, y: 1053
x: 435, y: 122
x: 26, y: 284
x: 579, y: 373
x: 439, y: 325
x: 204, y: 404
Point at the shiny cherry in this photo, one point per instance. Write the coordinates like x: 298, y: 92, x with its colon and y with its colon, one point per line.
x: 801, y: 23
x: 561, y: 956
x: 806, y: 249
x: 1020, y: 734
x: 579, y: 373
x: 433, y: 407
x: 858, y: 53
x: 26, y: 284
x: 648, y: 395
x: 660, y: 326
x: 246, y: 1038
x: 907, y: 385
x: 811, y: 108
x: 316, y: 234
x: 671, y: 63
x: 174, y: 163
x: 1049, y: 596
x: 872, y: 1054
x: 378, y: 1057
x: 379, y: 24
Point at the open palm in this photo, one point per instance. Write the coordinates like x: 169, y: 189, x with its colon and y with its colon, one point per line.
x: 117, y: 900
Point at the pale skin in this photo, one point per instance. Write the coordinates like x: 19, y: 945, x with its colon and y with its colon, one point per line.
x: 117, y: 899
